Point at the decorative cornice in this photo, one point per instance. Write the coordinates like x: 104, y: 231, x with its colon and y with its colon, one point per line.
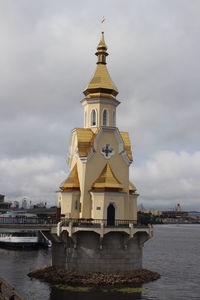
x: 109, y: 193
x: 76, y: 192
x: 114, y: 102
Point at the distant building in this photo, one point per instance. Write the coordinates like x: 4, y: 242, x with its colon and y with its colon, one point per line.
x: 40, y: 205
x: 16, y: 204
x: 4, y: 205
x: 175, y: 213
x: 153, y: 212
x: 24, y: 203
x: 2, y: 198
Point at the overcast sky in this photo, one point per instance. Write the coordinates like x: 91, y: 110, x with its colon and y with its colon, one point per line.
x: 46, y: 60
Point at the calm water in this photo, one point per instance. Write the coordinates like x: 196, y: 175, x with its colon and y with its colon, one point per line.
x: 174, y: 252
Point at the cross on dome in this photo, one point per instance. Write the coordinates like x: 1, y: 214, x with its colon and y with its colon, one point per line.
x: 103, y: 20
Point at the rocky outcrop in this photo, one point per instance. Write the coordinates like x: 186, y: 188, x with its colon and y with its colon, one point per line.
x: 9, y: 292
x: 59, y: 276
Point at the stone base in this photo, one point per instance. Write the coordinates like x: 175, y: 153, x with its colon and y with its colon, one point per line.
x: 85, y: 251
x: 94, y: 280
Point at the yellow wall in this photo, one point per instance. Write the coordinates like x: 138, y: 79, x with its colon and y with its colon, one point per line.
x: 133, y: 207
x: 102, y: 200
x: 99, y: 109
x: 94, y: 167
x: 67, y: 201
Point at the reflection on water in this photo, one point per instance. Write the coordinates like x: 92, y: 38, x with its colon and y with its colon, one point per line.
x: 173, y: 252
x: 16, y: 264
x: 97, y: 295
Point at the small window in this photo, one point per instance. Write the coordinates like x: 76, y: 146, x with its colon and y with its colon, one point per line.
x: 114, y: 118
x: 76, y: 204
x: 93, y: 118
x: 98, y: 208
x: 105, y: 117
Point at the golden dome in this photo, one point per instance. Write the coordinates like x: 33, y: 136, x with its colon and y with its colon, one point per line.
x: 101, y: 85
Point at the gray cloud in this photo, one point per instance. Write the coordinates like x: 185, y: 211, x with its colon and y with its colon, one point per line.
x: 169, y: 178
x: 36, y: 178
x: 47, y: 59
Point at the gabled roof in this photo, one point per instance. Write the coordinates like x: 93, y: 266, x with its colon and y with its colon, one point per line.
x: 107, y: 180
x: 132, y: 187
x: 85, y: 138
x: 127, y: 144
x: 72, y: 181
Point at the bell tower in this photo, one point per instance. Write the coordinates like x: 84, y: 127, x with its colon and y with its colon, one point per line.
x: 100, y: 95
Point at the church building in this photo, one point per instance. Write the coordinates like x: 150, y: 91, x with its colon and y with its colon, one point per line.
x: 99, y: 157
x: 98, y: 230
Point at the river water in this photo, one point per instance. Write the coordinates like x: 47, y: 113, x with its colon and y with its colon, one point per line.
x: 174, y: 252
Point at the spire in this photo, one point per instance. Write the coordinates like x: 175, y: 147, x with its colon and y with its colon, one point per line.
x: 102, y: 48
x: 101, y: 85
x: 101, y: 51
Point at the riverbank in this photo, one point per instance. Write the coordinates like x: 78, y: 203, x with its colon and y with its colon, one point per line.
x: 59, y: 276
x: 9, y: 292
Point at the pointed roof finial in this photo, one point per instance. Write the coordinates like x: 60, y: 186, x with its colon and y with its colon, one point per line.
x: 103, y: 20
x: 102, y: 48
x: 101, y: 84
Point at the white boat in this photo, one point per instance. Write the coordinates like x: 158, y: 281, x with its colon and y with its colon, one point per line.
x: 19, y: 239
x: 17, y: 214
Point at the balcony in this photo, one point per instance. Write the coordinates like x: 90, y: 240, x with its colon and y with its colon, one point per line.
x: 102, y: 226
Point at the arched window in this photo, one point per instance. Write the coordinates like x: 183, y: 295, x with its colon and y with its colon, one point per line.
x: 93, y: 117
x: 105, y: 117
x: 114, y: 118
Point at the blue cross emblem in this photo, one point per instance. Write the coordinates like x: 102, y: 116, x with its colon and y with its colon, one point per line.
x: 107, y: 151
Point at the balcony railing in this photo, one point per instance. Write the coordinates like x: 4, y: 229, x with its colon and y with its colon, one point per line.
x: 97, y: 223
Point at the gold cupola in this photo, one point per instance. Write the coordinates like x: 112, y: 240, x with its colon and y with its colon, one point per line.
x: 101, y: 85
